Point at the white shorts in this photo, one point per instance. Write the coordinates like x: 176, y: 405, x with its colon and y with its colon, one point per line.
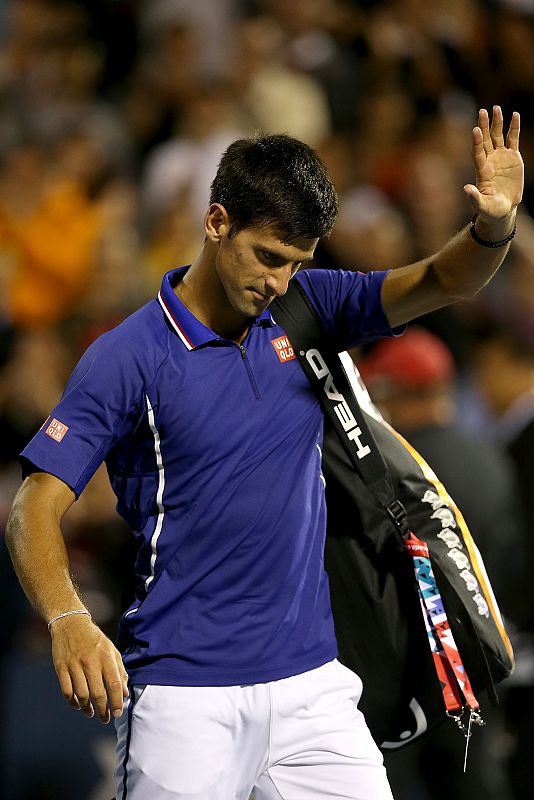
x: 299, y: 738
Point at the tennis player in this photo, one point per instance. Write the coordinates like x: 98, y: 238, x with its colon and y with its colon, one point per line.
x: 224, y: 679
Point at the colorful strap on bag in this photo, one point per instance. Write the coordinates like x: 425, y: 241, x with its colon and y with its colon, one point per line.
x: 455, y: 685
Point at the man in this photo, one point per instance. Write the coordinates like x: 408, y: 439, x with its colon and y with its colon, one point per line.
x: 212, y: 440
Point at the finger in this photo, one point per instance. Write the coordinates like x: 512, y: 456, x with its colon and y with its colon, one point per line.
x: 81, y: 690
x: 483, y: 124
x: 115, y: 687
x: 99, y: 697
x: 478, y: 151
x: 496, y: 127
x: 512, y: 139
x: 123, y: 674
x: 67, y: 690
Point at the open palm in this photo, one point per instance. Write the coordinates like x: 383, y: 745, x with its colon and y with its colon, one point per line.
x: 498, y: 166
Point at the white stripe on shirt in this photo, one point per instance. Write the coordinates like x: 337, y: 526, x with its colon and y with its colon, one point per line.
x: 159, y: 495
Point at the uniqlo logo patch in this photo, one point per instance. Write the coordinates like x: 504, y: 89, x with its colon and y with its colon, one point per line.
x: 56, y: 430
x: 284, y: 349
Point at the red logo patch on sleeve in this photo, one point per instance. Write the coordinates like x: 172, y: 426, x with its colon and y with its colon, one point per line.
x: 56, y: 430
x: 284, y: 349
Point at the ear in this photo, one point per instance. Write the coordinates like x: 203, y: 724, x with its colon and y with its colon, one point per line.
x: 216, y: 223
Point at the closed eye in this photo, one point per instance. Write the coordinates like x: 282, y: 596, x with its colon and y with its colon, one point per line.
x: 270, y: 258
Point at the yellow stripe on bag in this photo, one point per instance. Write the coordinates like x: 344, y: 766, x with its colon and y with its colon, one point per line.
x: 473, y: 551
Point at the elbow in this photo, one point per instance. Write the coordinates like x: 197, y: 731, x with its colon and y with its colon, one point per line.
x: 466, y: 292
x: 464, y: 296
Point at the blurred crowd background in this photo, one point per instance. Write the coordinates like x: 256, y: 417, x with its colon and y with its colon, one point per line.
x: 113, y: 115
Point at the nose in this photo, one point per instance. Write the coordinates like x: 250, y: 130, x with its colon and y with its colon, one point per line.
x: 276, y: 283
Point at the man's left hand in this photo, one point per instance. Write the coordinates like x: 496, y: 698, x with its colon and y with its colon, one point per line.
x: 498, y: 166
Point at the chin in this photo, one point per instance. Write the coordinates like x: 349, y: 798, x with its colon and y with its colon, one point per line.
x: 255, y: 310
x: 251, y: 307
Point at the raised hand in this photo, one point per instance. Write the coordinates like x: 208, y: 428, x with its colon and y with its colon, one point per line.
x: 498, y: 166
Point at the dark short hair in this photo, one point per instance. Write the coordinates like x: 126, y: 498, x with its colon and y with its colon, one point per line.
x: 277, y: 181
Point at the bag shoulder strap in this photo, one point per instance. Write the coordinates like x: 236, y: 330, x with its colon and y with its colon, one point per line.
x: 323, y: 368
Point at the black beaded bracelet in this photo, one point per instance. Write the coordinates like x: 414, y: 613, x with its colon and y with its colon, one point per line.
x: 483, y: 242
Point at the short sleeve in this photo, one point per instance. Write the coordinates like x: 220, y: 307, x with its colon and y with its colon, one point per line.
x: 349, y: 304
x: 98, y: 407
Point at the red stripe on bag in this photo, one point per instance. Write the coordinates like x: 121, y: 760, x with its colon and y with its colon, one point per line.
x: 448, y: 663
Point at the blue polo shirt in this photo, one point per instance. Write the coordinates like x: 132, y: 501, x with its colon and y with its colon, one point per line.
x: 214, y: 453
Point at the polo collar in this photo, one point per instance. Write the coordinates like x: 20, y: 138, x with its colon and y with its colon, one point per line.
x: 189, y: 329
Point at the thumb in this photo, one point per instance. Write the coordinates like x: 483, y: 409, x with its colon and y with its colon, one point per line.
x: 475, y: 198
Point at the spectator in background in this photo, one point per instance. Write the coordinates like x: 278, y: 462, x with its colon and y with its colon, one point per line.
x: 503, y: 369
x: 316, y: 43
x: 56, y: 215
x: 211, y: 22
x: 370, y: 230
x: 276, y: 96
x: 412, y: 380
x: 178, y: 173
x: 48, y: 234
x: 25, y: 402
x: 183, y: 45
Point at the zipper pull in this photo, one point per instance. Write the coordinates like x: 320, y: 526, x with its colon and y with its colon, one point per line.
x: 474, y: 719
x: 243, y: 351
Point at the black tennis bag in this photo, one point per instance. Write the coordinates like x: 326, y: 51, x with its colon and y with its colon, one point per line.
x: 377, y: 488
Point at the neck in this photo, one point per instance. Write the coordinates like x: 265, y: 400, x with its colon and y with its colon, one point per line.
x: 202, y: 293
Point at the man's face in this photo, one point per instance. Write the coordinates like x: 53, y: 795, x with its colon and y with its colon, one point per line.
x: 255, y: 266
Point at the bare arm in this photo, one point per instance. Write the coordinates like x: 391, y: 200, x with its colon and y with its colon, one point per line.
x: 461, y: 268
x: 88, y: 666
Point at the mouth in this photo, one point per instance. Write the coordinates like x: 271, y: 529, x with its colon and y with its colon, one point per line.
x: 263, y: 298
